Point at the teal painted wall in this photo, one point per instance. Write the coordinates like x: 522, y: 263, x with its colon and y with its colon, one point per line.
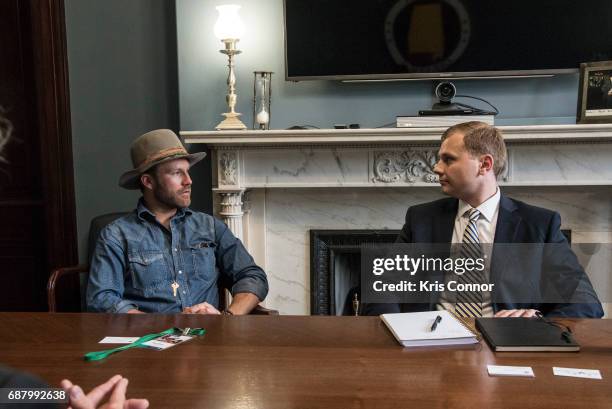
x: 123, y: 82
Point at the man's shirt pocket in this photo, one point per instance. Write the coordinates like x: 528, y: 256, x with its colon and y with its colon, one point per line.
x: 149, y: 271
x: 203, y: 260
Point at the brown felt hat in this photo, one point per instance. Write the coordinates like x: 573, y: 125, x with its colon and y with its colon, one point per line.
x: 152, y: 148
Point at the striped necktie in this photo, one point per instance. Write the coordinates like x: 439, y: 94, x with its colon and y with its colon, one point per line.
x: 469, y: 303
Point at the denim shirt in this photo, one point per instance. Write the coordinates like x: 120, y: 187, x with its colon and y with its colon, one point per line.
x: 136, y: 260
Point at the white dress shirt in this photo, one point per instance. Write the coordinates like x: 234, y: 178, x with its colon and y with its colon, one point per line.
x: 486, y: 223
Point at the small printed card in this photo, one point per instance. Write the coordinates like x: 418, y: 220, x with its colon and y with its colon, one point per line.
x: 577, y: 373
x: 501, y: 370
x: 118, y: 340
x: 167, y: 341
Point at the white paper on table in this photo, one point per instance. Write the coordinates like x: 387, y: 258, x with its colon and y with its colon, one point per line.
x: 577, y: 372
x: 502, y: 370
x: 118, y: 340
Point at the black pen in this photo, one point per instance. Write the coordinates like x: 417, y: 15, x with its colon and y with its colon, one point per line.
x: 436, y: 322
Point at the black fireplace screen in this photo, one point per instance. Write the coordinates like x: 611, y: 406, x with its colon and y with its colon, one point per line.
x: 335, y: 267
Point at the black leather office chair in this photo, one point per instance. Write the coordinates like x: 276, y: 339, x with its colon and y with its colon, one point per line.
x: 67, y: 286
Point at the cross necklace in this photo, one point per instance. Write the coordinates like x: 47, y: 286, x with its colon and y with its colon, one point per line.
x: 175, y: 284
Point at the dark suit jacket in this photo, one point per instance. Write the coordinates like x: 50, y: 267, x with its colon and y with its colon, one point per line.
x: 517, y: 222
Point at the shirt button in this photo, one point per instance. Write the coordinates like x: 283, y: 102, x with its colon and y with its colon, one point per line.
x: 184, y: 292
x: 175, y: 249
x: 180, y: 272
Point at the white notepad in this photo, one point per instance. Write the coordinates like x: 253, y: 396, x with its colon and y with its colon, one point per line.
x: 413, y: 329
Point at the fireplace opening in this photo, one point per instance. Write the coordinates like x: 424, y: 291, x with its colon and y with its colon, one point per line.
x: 335, y: 267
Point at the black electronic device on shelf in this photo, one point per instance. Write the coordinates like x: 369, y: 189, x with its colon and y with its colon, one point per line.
x: 446, y: 91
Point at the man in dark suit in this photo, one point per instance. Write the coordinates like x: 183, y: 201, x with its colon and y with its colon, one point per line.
x: 471, y: 158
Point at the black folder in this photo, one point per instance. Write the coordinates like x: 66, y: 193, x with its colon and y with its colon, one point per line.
x: 526, y: 334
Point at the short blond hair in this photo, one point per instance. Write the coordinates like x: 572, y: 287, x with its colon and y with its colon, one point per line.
x: 480, y: 138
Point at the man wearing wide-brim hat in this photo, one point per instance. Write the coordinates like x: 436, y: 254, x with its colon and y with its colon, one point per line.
x: 164, y: 257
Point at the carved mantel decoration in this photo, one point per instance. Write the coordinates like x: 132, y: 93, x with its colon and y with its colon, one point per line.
x: 408, y: 165
x: 231, y: 211
x: 228, y: 168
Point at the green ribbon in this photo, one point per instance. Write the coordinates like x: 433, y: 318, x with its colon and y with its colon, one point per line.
x: 98, y: 355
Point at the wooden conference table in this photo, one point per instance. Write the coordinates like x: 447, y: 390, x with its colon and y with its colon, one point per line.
x: 301, y: 362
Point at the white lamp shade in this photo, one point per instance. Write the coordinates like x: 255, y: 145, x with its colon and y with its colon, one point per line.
x: 229, y: 25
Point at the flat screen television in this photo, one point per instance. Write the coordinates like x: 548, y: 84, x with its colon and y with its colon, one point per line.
x: 419, y: 39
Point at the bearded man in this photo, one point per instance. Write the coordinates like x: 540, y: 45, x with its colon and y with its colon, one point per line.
x: 164, y: 257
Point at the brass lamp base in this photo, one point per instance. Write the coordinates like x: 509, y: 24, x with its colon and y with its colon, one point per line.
x: 231, y: 122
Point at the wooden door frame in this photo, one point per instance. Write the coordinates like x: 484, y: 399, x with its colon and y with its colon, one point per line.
x: 54, y: 127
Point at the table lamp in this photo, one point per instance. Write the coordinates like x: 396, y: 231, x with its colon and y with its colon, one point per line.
x: 229, y: 29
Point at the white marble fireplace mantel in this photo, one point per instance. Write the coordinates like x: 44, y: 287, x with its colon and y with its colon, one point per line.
x: 565, y: 155
x: 273, y: 187
x: 512, y: 134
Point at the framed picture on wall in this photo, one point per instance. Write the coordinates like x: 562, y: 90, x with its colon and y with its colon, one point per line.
x: 595, y: 93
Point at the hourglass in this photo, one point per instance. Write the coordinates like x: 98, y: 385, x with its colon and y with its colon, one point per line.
x: 262, y: 98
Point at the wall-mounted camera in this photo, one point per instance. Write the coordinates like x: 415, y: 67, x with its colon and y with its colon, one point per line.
x: 446, y: 91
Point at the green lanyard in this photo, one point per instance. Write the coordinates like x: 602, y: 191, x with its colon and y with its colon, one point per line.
x: 98, y: 355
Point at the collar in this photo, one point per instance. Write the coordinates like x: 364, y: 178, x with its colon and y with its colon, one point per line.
x: 487, y: 208
x: 145, y: 214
